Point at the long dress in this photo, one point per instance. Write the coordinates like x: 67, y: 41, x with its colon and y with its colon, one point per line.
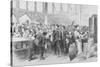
x: 72, y: 52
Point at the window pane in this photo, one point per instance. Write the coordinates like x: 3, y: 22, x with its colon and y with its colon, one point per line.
x: 39, y: 6
x: 56, y: 8
x: 31, y: 6
x: 14, y: 3
x: 50, y: 8
x: 22, y: 4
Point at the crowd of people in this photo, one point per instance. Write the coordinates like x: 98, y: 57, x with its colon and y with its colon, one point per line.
x: 61, y: 39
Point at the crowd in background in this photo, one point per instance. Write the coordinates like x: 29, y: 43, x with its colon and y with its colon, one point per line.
x: 28, y: 29
x: 59, y: 37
